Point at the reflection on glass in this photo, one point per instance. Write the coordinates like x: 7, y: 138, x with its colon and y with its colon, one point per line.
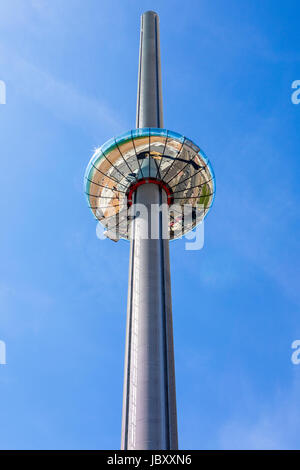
x: 140, y: 153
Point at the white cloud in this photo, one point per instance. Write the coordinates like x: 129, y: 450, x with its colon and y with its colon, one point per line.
x: 62, y: 99
x: 276, y: 426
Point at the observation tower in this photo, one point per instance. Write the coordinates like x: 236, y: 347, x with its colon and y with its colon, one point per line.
x: 145, y: 168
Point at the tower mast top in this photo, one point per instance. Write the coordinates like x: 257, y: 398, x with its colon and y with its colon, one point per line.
x: 149, y: 112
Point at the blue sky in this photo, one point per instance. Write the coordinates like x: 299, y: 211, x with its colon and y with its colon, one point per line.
x: 70, y: 70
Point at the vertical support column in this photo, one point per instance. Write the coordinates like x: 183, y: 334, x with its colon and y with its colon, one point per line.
x: 149, y: 112
x: 149, y: 418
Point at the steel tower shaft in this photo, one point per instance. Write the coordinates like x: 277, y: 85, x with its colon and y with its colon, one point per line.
x: 149, y: 418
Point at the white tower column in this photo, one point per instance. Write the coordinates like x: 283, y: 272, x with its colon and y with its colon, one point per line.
x: 149, y: 418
